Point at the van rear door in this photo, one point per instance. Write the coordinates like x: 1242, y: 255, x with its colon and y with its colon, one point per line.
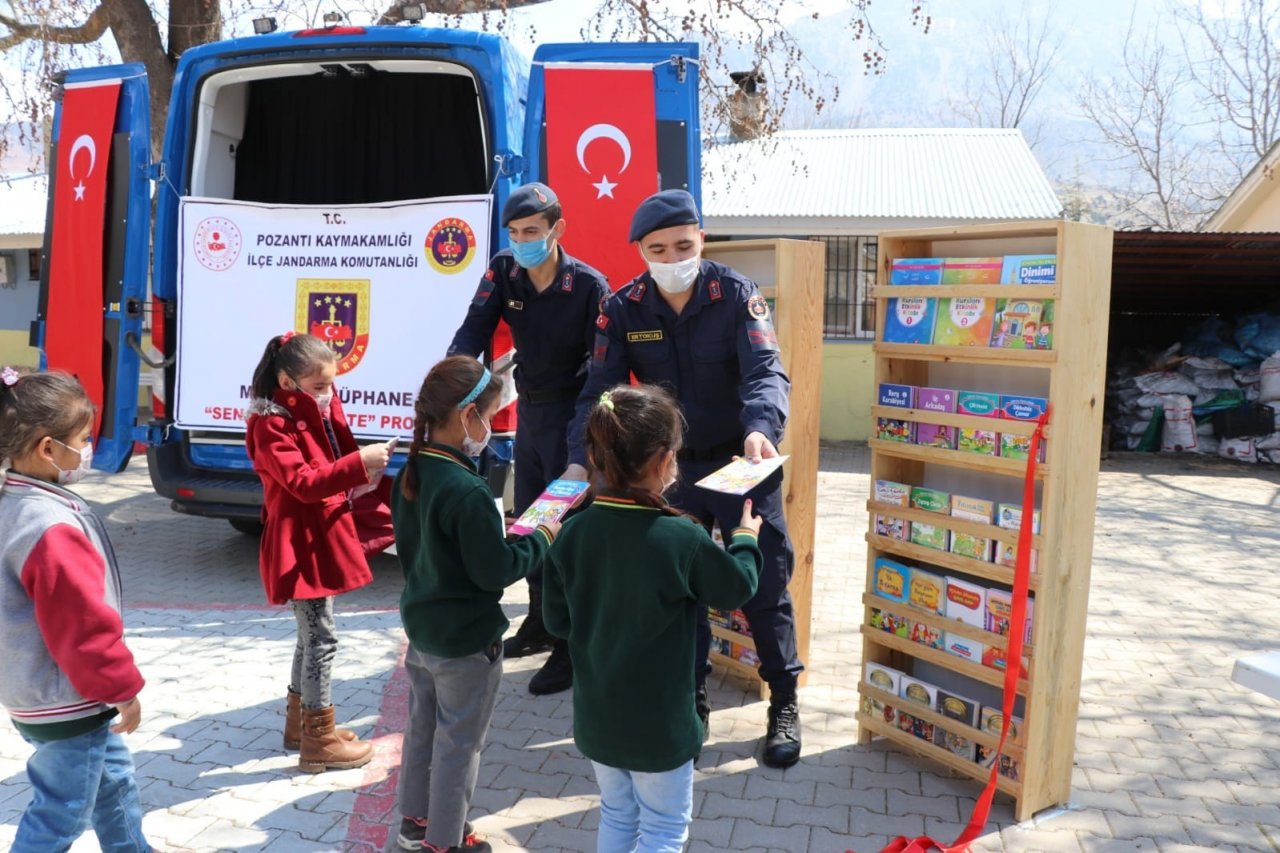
x: 93, y: 283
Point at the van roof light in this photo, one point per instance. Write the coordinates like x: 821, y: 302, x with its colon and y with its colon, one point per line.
x: 262, y: 26
x: 412, y: 12
x: 332, y: 19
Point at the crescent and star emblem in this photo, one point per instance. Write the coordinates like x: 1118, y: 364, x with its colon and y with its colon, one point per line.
x: 613, y: 134
x: 83, y: 141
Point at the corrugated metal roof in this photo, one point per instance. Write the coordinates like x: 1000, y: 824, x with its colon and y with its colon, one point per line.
x: 22, y: 205
x: 951, y: 173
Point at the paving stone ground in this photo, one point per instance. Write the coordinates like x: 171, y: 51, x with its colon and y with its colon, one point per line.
x: 1170, y: 754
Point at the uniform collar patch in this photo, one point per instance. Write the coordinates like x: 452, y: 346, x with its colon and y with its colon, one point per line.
x: 638, y: 291
x: 566, y: 283
x: 714, y: 292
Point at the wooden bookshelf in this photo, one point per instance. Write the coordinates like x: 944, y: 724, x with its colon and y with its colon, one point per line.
x: 792, y: 276
x: 1071, y: 376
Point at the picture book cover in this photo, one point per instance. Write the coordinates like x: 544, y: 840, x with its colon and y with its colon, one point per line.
x: 967, y: 544
x: 1020, y: 409
x: 999, y: 612
x: 1029, y: 269
x: 884, y: 678
x: 1006, y: 554
x: 930, y: 535
x: 898, y: 494
x: 900, y: 397
x: 916, y: 271
x: 917, y: 692
x: 909, y: 320
x: 559, y: 497
x: 1009, y: 516
x: 977, y: 404
x: 964, y: 322
x: 930, y: 500
x: 990, y: 720
x: 892, y: 579
x: 1023, y: 324
x: 936, y: 400
x: 966, y: 602
x: 963, y: 710
x: 972, y: 270
x: 883, y: 620
x: 927, y: 592
x: 927, y: 635
x: 741, y: 475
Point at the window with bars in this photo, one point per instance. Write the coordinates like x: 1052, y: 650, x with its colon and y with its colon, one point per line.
x: 849, y: 313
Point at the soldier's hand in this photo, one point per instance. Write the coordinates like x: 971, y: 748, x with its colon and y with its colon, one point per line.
x: 130, y: 717
x: 574, y: 472
x: 750, y: 520
x: 757, y: 447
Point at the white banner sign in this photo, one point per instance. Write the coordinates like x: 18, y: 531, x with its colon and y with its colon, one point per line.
x: 385, y: 285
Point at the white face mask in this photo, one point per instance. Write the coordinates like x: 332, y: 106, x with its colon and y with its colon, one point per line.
x: 470, y: 447
x: 323, y: 401
x: 76, y: 474
x: 677, y: 277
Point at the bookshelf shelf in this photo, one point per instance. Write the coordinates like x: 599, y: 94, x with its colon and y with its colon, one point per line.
x: 1070, y: 376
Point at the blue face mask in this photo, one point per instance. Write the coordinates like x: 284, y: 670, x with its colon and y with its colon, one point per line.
x: 529, y: 255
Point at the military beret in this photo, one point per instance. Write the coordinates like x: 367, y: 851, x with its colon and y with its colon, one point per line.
x: 663, y: 210
x: 526, y: 201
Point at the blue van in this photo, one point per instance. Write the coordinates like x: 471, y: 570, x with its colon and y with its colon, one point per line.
x: 339, y: 115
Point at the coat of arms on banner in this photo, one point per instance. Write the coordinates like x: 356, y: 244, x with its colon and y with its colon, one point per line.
x: 450, y: 245
x: 336, y: 310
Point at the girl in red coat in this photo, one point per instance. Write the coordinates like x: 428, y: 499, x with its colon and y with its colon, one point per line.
x: 317, y: 529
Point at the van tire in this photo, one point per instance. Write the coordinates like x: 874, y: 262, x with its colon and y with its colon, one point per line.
x: 247, y: 526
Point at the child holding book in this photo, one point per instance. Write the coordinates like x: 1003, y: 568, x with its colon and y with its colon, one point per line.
x: 623, y: 585
x: 67, y: 671
x: 452, y: 544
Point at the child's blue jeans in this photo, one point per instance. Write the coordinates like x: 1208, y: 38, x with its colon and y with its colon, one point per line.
x: 647, y: 812
x: 77, y: 782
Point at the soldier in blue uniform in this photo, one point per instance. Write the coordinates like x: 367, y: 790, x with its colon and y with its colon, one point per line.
x: 703, y: 331
x: 551, y: 301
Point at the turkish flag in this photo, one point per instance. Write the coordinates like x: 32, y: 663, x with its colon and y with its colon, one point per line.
x: 73, y: 322
x: 602, y: 159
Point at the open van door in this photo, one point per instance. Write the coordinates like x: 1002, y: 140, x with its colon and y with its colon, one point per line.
x: 606, y: 126
x: 93, y: 283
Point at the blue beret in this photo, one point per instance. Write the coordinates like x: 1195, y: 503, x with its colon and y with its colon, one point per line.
x: 526, y: 201
x: 663, y: 210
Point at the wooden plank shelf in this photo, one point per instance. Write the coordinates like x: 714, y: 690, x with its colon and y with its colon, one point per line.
x: 938, y: 754
x: 957, y: 458
x: 976, y: 291
x: 946, y: 560
x: 956, y: 727
x: 968, y: 355
x: 942, y: 623
x: 951, y: 522
x: 1001, y: 425
x: 976, y: 671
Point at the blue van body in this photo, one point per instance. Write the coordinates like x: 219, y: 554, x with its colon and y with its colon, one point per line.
x: 214, y: 477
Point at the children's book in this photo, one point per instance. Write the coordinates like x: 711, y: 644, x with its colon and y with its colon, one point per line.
x: 900, y: 397
x: 936, y: 400
x: 917, y: 692
x: 892, y: 579
x: 966, y: 602
x: 557, y: 499
x: 1009, y: 516
x: 961, y: 709
x: 971, y: 270
x: 927, y: 592
x: 884, y: 678
x: 741, y: 475
x: 898, y: 494
x: 966, y: 544
x: 979, y: 405
x: 927, y: 635
x: 999, y: 612
x: 930, y: 535
x: 909, y: 320
x: 990, y: 720
x: 1020, y: 409
x: 1023, y: 324
x: 916, y: 271
x: 964, y: 322
x: 1029, y: 269
x: 890, y: 623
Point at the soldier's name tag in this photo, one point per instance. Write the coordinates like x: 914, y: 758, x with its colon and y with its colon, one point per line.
x: 644, y: 337
x: 515, y: 304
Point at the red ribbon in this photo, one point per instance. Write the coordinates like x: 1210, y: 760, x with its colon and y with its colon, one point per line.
x: 1012, y: 672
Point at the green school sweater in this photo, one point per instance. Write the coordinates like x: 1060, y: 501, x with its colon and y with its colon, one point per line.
x: 452, y: 545
x: 622, y: 584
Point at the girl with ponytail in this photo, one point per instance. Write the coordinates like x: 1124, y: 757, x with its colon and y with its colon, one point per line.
x: 623, y: 584
x: 457, y: 561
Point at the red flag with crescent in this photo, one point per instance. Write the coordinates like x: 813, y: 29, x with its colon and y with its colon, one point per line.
x: 73, y: 322
x: 602, y: 158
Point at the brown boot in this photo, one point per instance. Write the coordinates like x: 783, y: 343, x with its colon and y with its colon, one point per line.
x: 323, y: 750
x: 293, y: 722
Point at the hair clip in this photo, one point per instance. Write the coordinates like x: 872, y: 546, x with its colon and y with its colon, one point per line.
x: 9, y: 376
x: 284, y: 339
x: 606, y: 400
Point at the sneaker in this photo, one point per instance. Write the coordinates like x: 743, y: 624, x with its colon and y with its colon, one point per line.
x: 703, y: 705
x: 782, y: 739
x: 556, y: 674
x: 470, y: 844
x: 413, y: 833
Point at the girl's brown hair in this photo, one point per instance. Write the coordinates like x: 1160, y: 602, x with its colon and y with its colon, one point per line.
x: 627, y: 427
x: 296, y: 355
x: 446, y: 386
x: 39, y: 404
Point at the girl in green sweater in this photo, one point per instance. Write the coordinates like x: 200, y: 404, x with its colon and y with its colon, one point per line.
x: 451, y: 541
x: 623, y: 584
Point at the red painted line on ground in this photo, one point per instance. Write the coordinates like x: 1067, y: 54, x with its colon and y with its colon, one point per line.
x: 375, y: 810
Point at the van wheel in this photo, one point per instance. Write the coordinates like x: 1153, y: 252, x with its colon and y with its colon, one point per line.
x: 247, y: 526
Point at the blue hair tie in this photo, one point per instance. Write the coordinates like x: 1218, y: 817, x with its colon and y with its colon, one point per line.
x: 476, y: 391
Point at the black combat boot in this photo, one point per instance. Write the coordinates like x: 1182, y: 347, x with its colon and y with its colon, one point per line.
x: 782, y: 739
x: 556, y: 674
x: 531, y: 637
x: 703, y: 703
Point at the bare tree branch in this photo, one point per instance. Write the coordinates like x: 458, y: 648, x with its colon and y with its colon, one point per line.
x: 87, y: 33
